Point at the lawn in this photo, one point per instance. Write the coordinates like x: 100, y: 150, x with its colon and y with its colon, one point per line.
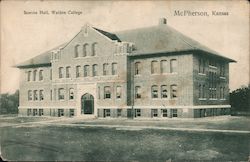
x: 43, y: 142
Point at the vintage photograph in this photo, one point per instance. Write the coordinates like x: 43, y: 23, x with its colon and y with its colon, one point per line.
x: 124, y: 81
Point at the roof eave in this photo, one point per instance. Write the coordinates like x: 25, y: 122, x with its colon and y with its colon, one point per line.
x: 32, y: 65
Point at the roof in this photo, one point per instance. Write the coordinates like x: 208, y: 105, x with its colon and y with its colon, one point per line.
x: 162, y: 39
x: 149, y: 40
x: 40, y: 60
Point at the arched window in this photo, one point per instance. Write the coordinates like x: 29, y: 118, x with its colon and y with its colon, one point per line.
x: 78, y: 71
x: 173, y: 66
x: 60, y: 72
x: 154, y: 67
x: 61, y: 94
x: 94, y: 70
x: 107, y: 92
x: 85, y: 50
x: 164, y: 91
x: 94, y: 48
x: 163, y: 66
x: 114, y: 68
x: 154, y: 91
x: 118, y: 92
x: 86, y: 71
x: 71, y: 94
x: 105, y: 69
x: 68, y: 72
x: 35, y: 95
x: 29, y: 95
x: 137, y: 92
x: 77, y: 50
x: 34, y: 75
x: 41, y: 95
x: 40, y: 75
x: 174, y: 91
x: 137, y: 68
x: 29, y: 76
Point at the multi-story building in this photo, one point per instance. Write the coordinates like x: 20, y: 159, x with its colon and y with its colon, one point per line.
x: 146, y: 72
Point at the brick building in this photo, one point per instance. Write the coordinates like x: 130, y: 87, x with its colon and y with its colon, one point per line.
x: 146, y: 72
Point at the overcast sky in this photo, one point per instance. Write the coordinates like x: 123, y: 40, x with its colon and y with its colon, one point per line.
x: 24, y: 36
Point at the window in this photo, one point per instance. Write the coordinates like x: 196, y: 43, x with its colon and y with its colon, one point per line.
x: 114, y: 68
x: 222, y: 69
x: 105, y: 69
x: 78, y: 71
x: 85, y: 50
x: 163, y: 66
x: 173, y: 66
x: 137, y: 112
x: 71, y: 112
x: 77, y: 50
x: 94, y: 45
x: 35, y: 95
x: 51, y: 94
x: 41, y: 96
x: 106, y: 112
x: 154, y: 91
x: 203, y: 91
x: 34, y: 112
x: 137, y: 68
x: 29, y: 76
x: 137, y: 92
x: 60, y: 112
x: 223, y: 93
x: 164, y: 113
x: 34, y: 75
x: 99, y: 93
x: 164, y: 91
x: 200, y: 91
x: 107, y: 92
x: 61, y: 94
x: 118, y: 92
x: 29, y: 95
x: 40, y: 75
x: 40, y: 112
x: 71, y: 94
x: 94, y: 70
x: 202, y: 65
x: 154, y: 112
x: 119, y: 112
x: 68, y: 72
x: 60, y: 72
x: 50, y: 74
x: 86, y: 71
x: 29, y: 112
x: 174, y: 91
x: 154, y: 67
x: 174, y: 113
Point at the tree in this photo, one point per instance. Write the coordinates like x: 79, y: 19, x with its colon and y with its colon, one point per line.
x: 9, y: 103
x: 240, y: 99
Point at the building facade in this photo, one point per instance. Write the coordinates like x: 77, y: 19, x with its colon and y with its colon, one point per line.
x: 147, y: 72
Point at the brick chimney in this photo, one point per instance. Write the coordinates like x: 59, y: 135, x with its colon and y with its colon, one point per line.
x: 163, y: 21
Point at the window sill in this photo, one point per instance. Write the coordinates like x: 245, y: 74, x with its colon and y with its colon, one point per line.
x: 213, y: 99
x: 222, y: 77
x: 223, y: 99
x: 203, y: 74
x: 202, y: 99
x: 211, y: 66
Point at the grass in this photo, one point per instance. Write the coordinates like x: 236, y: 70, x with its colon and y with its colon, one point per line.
x: 50, y: 143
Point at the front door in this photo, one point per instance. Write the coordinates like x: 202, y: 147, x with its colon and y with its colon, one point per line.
x: 87, y: 104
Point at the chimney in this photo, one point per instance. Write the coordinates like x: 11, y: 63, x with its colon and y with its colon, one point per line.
x: 163, y: 21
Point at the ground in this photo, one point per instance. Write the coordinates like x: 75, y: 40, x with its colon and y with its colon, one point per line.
x: 46, y: 138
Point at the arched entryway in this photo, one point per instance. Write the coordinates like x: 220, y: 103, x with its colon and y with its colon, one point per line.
x: 87, y: 104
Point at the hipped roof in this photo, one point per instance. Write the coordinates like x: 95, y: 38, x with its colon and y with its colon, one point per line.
x: 149, y: 40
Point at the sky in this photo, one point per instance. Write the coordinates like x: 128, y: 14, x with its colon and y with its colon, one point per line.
x: 24, y: 36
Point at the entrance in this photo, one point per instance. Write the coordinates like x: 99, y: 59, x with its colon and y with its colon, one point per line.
x: 87, y: 104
